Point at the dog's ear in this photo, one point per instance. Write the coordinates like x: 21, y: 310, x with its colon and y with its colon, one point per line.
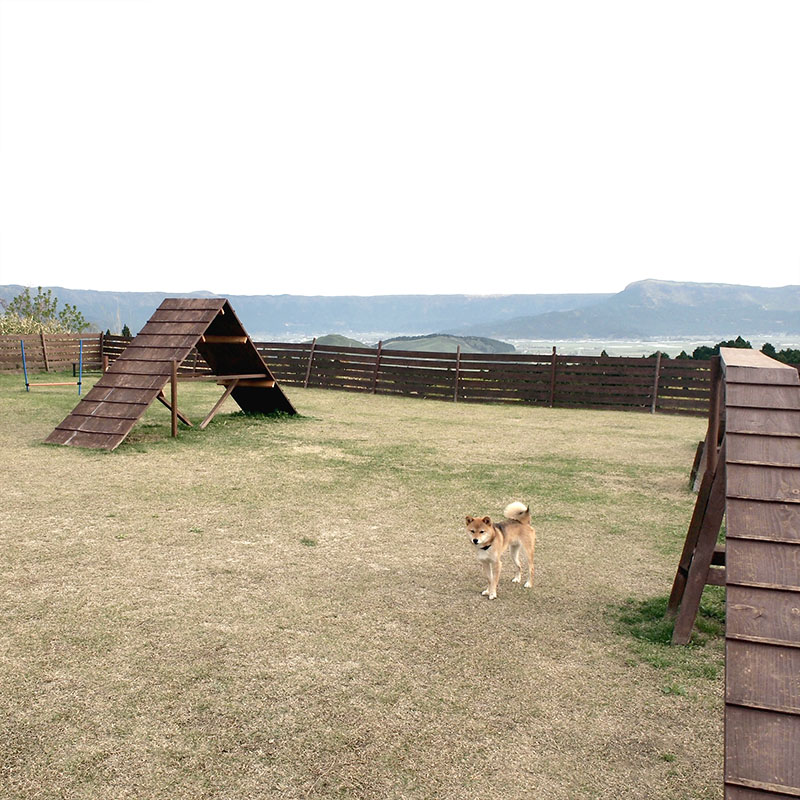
x: 469, y: 520
x: 487, y: 521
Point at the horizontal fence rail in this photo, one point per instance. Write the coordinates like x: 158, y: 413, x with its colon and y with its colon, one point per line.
x: 555, y: 380
x: 49, y: 351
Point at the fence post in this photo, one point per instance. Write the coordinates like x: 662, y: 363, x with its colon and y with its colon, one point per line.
x: 655, y: 382
x: 712, y: 439
x: 310, y: 359
x: 44, y: 352
x: 553, y: 379
x: 458, y: 372
x: 377, y: 367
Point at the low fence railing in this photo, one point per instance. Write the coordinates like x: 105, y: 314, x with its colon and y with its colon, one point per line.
x: 48, y: 351
x: 602, y: 382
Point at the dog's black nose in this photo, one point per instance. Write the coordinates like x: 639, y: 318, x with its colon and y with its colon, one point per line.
x: 474, y: 541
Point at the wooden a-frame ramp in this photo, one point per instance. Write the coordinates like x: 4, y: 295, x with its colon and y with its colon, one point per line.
x: 752, y: 478
x: 106, y: 415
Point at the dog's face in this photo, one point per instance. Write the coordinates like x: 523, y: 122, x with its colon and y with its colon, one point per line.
x: 479, y: 530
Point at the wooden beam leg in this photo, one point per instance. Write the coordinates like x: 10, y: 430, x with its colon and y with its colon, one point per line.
x: 211, y: 414
x: 689, y: 546
x: 701, y: 562
x: 174, y: 399
x: 163, y: 400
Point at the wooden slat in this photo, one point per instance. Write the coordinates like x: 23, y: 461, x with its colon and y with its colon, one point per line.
x: 128, y: 381
x: 769, y: 564
x: 762, y: 750
x: 119, y: 395
x: 174, y: 328
x: 105, y: 408
x: 764, y: 396
x: 763, y: 615
x: 766, y: 450
x: 95, y: 441
x: 194, y: 303
x: 75, y: 422
x: 763, y: 676
x: 184, y: 315
x: 764, y: 520
x: 781, y: 484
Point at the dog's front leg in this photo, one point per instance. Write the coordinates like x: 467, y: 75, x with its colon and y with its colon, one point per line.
x: 494, y: 577
x: 487, y: 569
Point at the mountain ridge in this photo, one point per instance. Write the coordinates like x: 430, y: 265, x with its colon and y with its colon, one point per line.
x: 644, y: 309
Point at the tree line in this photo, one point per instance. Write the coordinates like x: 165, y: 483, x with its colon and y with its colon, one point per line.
x: 39, y: 313
x: 788, y: 355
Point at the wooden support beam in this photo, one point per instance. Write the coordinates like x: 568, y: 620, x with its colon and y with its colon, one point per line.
x: 174, y: 400
x: 212, y: 339
x: 699, y: 567
x: 252, y: 383
x: 219, y: 378
x: 211, y: 414
x: 163, y: 400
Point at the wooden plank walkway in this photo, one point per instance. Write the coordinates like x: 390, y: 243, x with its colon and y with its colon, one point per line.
x: 762, y: 682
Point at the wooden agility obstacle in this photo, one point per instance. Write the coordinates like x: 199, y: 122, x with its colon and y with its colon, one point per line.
x: 752, y: 479
x: 139, y: 375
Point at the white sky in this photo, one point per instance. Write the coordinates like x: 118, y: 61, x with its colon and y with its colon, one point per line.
x: 340, y: 147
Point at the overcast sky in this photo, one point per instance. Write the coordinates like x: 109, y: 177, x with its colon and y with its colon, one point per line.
x: 339, y: 147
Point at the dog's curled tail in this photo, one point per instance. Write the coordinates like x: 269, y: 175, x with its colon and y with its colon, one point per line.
x: 518, y: 511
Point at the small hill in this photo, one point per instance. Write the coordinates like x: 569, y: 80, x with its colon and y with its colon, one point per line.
x: 337, y: 340
x: 445, y: 343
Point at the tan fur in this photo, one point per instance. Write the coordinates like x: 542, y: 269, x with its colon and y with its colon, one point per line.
x: 492, y: 539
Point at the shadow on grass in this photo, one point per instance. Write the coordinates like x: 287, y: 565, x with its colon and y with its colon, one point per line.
x: 649, y: 632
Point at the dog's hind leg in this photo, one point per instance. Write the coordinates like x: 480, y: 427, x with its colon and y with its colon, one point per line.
x: 515, y: 557
x: 529, y: 551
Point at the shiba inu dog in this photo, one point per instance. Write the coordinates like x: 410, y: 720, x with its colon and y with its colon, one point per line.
x: 492, y: 539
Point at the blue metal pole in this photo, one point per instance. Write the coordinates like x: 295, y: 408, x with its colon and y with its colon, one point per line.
x: 80, y: 365
x: 24, y: 366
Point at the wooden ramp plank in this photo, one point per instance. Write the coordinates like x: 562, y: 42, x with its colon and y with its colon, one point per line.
x: 762, y: 690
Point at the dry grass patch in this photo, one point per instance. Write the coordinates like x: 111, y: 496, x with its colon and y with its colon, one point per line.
x: 290, y: 609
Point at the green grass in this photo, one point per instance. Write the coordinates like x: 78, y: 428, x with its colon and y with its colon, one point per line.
x: 289, y: 608
x: 650, y: 630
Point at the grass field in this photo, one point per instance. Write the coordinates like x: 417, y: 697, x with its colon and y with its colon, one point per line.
x: 289, y: 608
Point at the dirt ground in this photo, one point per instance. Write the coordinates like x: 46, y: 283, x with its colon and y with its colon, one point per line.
x: 290, y: 608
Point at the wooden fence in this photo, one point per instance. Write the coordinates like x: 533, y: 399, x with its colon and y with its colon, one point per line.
x: 601, y: 382
x: 47, y: 351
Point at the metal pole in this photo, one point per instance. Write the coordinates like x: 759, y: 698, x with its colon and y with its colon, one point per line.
x: 24, y: 366
x: 80, y: 365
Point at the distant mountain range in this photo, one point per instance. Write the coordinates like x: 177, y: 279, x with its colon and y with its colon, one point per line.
x: 286, y: 317
x: 645, y: 309
x: 653, y: 308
